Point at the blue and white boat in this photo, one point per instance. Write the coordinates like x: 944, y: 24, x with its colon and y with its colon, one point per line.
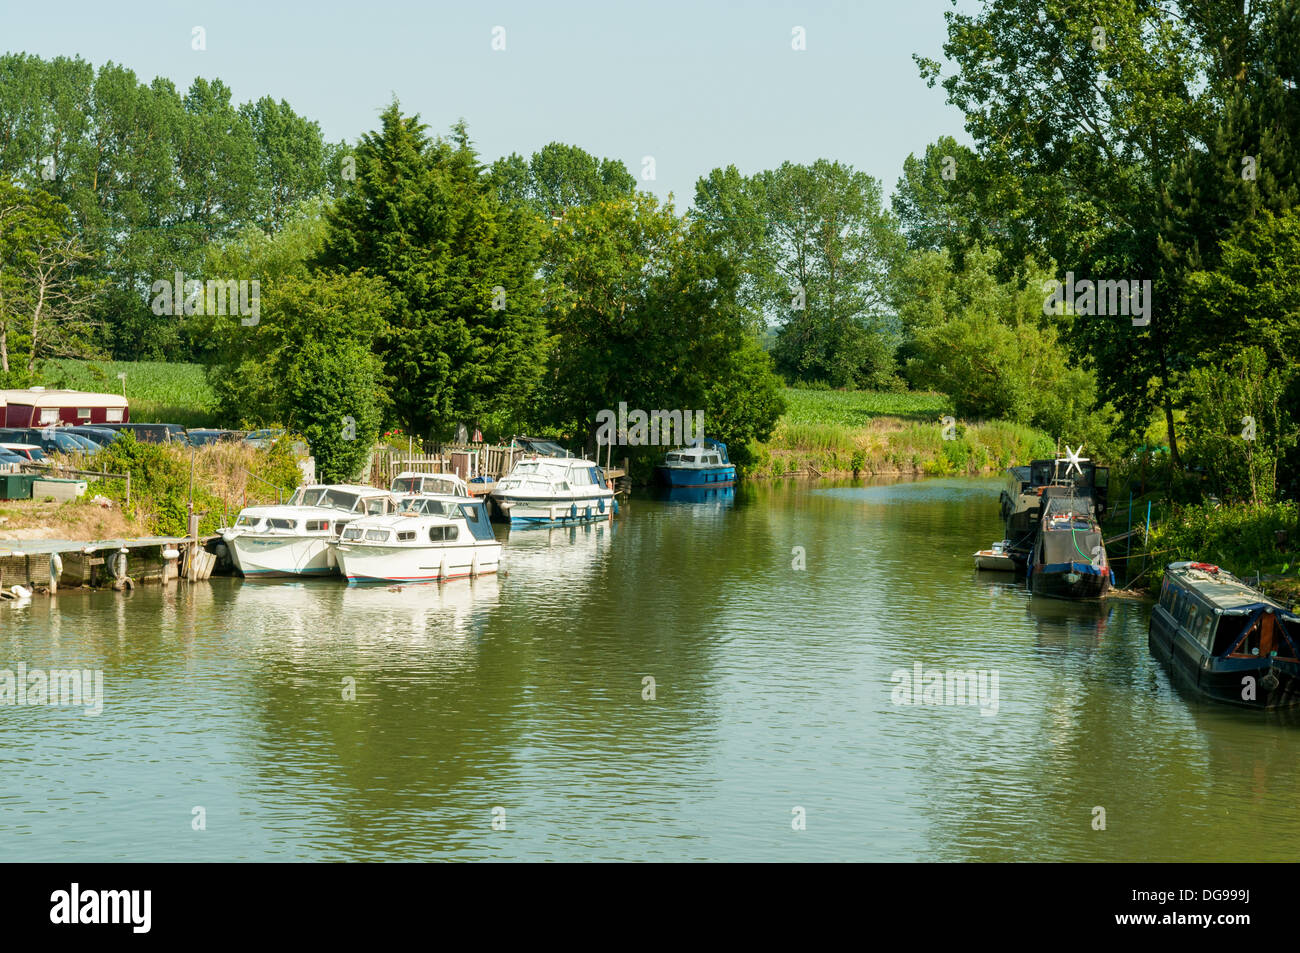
x: 703, y: 465
x: 554, y: 491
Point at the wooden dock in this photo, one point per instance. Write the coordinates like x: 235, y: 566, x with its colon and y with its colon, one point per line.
x: 119, y: 563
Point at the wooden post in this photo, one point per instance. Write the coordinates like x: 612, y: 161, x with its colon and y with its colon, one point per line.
x: 192, y: 554
x: 128, y: 487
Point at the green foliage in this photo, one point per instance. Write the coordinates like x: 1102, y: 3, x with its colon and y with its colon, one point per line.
x: 1237, y: 426
x: 856, y: 408
x: 643, y: 308
x: 986, y: 343
x: 560, y: 177
x: 1240, y: 538
x: 331, y: 395
x: 815, y: 246
x: 465, y: 337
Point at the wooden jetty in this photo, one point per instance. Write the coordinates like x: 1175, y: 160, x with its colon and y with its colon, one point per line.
x: 115, y: 563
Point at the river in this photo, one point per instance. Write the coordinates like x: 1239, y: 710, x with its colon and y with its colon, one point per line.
x: 511, y: 717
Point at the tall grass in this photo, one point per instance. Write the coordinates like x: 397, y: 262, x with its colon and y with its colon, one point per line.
x: 156, y: 391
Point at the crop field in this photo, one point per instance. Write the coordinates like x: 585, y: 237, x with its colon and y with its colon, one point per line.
x: 157, y: 391
x: 858, y: 408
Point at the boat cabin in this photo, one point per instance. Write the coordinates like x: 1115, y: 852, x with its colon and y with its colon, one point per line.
x: 445, y: 484
x: 1224, y: 617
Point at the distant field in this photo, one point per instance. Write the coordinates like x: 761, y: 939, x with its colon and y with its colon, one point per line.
x: 157, y: 391
x: 857, y: 408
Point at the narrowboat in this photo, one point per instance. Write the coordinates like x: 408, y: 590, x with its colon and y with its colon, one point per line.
x: 702, y: 465
x: 295, y: 538
x: 553, y: 491
x: 429, y: 538
x: 1224, y: 640
x: 1068, y: 558
x: 1030, y: 487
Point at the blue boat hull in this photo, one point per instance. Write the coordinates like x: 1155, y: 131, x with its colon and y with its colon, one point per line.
x: 723, y: 475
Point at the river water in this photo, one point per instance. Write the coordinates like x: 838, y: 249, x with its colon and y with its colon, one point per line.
x: 510, y: 717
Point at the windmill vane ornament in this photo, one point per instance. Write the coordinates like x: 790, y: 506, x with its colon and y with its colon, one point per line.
x: 1072, y: 460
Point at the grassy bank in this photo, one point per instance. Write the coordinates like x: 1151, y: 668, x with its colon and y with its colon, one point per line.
x: 157, y: 391
x: 841, y: 433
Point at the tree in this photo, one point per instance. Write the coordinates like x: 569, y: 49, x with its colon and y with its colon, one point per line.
x: 644, y: 309
x: 466, y: 338
x: 559, y: 177
x: 986, y: 343
x: 816, y: 247
x: 44, y: 300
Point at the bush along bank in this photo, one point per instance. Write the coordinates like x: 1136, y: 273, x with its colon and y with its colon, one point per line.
x: 889, y: 446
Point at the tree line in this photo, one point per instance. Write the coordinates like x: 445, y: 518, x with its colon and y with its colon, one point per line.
x: 409, y: 281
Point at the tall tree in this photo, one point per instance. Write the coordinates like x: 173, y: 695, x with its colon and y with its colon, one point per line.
x: 467, y: 337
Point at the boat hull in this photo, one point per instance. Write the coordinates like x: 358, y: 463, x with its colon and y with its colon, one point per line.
x: 255, y: 555
x: 1070, y: 580
x: 555, y: 511
x: 724, y: 475
x: 990, y: 561
x: 1276, y: 682
x: 379, y: 563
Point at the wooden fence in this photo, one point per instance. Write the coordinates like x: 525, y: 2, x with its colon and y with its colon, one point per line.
x: 465, y: 460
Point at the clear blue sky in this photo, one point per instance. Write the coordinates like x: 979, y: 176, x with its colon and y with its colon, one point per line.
x: 695, y: 85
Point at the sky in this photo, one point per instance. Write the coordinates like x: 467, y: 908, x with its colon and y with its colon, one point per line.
x: 691, y: 85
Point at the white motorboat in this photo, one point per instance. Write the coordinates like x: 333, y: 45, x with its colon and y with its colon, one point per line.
x: 996, y: 558
x: 294, y: 538
x: 554, y: 490
x: 409, y: 482
x: 430, y: 537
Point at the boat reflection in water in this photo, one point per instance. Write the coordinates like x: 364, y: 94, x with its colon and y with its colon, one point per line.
x: 1065, y: 626
x: 721, y: 496
x: 558, y: 557
x: 299, y: 619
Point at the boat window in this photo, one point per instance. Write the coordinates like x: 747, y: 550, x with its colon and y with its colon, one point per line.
x: 674, y: 458
x: 352, y: 533
x: 526, y: 468
x: 378, y: 535
x: 318, y: 526
x: 1205, y: 628
x: 279, y: 523
x: 337, y: 499
x: 376, y: 507
x: 406, y: 535
x: 248, y: 521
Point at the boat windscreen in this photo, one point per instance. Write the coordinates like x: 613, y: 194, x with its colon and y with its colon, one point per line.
x: 476, y: 516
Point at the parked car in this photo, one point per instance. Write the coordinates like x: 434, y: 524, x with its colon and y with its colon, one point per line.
x: 263, y: 438
x: 152, y: 433
x: 49, y: 439
x: 26, y: 451
x: 100, y: 436
x: 198, y: 438
x: 9, y: 458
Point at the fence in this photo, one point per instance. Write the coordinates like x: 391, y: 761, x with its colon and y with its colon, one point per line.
x: 465, y: 460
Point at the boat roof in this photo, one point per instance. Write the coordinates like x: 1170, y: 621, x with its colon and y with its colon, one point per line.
x: 570, y: 462
x: 347, y: 488
x: 1218, y: 586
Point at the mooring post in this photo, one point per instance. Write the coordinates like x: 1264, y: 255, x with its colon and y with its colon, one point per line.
x: 1128, y: 542
x: 192, y: 553
x: 128, y: 487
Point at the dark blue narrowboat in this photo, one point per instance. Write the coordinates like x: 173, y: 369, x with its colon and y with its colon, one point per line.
x: 1224, y: 640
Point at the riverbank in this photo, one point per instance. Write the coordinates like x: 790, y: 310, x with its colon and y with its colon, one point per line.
x: 890, y: 446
